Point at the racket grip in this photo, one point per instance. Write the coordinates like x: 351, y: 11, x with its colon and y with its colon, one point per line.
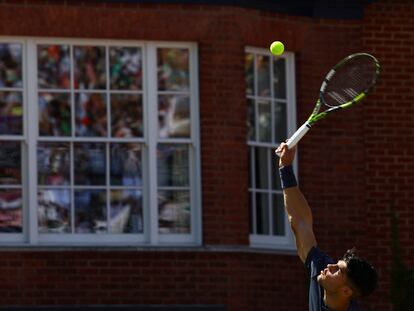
x: 297, y: 136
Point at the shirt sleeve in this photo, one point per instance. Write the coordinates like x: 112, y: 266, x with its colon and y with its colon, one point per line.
x: 316, y: 261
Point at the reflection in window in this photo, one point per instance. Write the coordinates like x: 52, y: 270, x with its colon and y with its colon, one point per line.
x: 11, y: 211
x: 173, y: 69
x: 54, y: 114
x: 10, y: 163
x: 173, y: 165
x: 53, y: 209
x: 11, y: 113
x: 89, y: 67
x: 90, y: 211
x: 11, y: 65
x: 126, y: 115
x: 90, y: 163
x: 126, y: 164
x: 53, y: 66
x: 174, y: 212
x: 53, y: 164
x: 126, y: 215
x: 91, y: 119
x: 125, y: 68
x: 174, y: 116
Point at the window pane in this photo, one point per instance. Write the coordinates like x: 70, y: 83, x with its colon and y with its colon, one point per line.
x: 173, y: 69
x: 91, y: 119
x: 278, y: 215
x: 53, y: 163
x: 126, y: 212
x: 261, y: 168
x: 53, y: 66
x: 173, y: 165
x: 54, y: 114
x: 126, y: 164
x: 126, y: 115
x: 54, y: 211
x: 11, y: 113
x: 11, y: 65
x: 90, y: 211
x: 280, y: 122
x: 262, y: 213
x: 10, y: 163
x: 265, y: 121
x: 263, y: 75
x: 11, y: 211
x: 279, y: 78
x: 125, y: 68
x: 251, y: 121
x: 174, y: 212
x: 90, y: 163
x: 89, y: 67
x: 174, y: 116
x: 249, y: 68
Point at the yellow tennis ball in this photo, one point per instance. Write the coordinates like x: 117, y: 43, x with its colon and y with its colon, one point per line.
x: 277, y: 48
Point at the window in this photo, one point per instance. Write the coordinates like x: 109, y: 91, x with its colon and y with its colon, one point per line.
x: 271, y: 111
x: 100, y: 142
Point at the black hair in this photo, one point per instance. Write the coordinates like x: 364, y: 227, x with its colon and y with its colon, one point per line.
x: 362, y: 275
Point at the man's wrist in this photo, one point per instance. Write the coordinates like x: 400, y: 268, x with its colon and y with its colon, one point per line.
x: 287, y: 177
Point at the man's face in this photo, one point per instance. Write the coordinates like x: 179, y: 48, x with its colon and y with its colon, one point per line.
x: 333, y: 277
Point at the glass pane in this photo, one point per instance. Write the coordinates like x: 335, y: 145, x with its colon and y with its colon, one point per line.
x: 54, y: 211
x: 278, y: 215
x: 11, y: 65
x: 126, y: 115
x: 249, y: 68
x: 10, y: 163
x: 125, y: 68
x: 11, y: 211
x: 126, y: 165
x: 54, y: 114
x: 174, y: 212
x: 263, y: 75
x: 262, y: 213
x: 91, y: 115
x: 173, y: 165
x: 251, y: 120
x: 89, y: 67
x: 90, y: 163
x: 53, y: 163
x: 11, y: 113
x: 90, y: 211
x: 53, y: 66
x: 174, y: 116
x: 279, y: 78
x: 265, y: 122
x: 274, y: 171
x: 249, y: 163
x: 280, y: 122
x: 126, y: 212
x: 173, y: 69
x: 261, y: 168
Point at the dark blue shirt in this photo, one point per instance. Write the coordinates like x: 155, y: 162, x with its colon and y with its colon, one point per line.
x: 315, y: 262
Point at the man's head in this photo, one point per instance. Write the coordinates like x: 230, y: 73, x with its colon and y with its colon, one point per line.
x: 350, y: 277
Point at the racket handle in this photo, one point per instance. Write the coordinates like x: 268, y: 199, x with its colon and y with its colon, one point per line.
x: 297, y: 136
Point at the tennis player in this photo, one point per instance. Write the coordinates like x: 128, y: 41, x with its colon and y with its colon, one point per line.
x: 333, y: 285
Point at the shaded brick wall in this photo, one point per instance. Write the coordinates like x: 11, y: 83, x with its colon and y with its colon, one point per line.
x: 352, y: 165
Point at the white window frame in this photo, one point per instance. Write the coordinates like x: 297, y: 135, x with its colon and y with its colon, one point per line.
x: 150, y: 237
x: 286, y: 242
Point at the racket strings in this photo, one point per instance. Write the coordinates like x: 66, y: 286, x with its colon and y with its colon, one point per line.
x: 352, y: 78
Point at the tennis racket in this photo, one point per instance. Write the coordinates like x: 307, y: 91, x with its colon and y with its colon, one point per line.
x: 346, y: 84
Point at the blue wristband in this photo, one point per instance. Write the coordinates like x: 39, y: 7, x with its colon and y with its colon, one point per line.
x: 287, y: 177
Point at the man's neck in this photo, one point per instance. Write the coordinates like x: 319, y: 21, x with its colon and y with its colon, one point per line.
x: 334, y: 302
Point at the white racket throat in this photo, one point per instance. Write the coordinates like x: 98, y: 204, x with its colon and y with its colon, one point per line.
x: 297, y: 136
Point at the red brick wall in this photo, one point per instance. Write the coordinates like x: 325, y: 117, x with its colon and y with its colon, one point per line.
x: 352, y: 165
